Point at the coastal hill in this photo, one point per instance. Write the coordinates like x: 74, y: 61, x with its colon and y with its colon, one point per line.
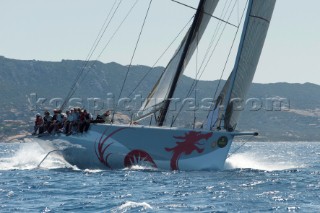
x: 278, y: 111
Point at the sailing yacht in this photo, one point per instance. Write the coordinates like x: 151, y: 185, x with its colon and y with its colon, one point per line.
x: 111, y: 146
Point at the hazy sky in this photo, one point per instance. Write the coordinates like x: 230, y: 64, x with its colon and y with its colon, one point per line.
x: 65, y: 29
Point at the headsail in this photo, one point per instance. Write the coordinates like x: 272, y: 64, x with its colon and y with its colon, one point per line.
x: 159, y: 98
x: 234, y: 91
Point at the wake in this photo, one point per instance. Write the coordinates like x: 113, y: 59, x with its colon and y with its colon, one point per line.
x: 28, y: 155
x: 258, y: 161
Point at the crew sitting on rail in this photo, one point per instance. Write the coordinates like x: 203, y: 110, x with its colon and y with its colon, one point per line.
x: 73, y: 121
x: 104, y: 118
x: 84, y: 121
x: 57, y: 120
x: 68, y: 122
x: 47, y: 121
x: 76, y: 119
x: 38, y: 125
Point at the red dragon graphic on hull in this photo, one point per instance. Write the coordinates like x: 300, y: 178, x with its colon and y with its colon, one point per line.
x: 138, y: 156
x: 188, y: 144
x: 101, y: 149
x: 132, y: 158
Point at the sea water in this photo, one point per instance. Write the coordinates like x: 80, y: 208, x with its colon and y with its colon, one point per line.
x: 259, y: 177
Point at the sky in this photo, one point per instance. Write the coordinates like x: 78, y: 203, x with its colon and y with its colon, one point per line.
x: 55, y: 30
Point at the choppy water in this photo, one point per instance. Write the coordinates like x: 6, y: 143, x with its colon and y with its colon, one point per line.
x: 283, y: 177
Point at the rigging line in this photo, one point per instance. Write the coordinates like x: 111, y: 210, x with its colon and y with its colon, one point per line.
x: 104, y: 30
x: 223, y: 14
x: 101, y: 30
x: 195, y: 91
x: 148, y: 72
x: 98, y: 39
x: 196, y: 81
x: 93, y: 48
x: 87, y: 62
x: 225, y: 65
x: 118, y: 28
x: 134, y: 52
x: 197, y: 54
x: 238, y: 12
x: 205, y: 67
x: 184, y: 58
x: 92, y: 65
x: 102, y: 33
x: 233, y: 42
x: 244, y: 143
x: 206, y: 13
x: 105, y: 47
x: 218, y: 39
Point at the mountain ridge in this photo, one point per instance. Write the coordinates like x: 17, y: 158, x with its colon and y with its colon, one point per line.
x: 20, y: 78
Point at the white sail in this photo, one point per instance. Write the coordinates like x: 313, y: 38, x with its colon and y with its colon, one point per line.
x: 160, y: 91
x: 234, y: 91
x: 114, y: 146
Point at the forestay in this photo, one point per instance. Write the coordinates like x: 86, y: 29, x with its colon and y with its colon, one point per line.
x: 161, y: 91
x: 234, y: 91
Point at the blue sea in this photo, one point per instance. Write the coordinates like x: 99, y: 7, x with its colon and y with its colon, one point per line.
x: 259, y: 177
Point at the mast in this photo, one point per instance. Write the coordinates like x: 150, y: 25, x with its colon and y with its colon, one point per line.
x: 164, y: 110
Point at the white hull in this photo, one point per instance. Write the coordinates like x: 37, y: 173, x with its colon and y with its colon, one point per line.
x: 114, y: 147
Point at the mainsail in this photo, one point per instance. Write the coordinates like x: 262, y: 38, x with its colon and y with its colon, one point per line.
x: 234, y: 91
x: 162, y: 92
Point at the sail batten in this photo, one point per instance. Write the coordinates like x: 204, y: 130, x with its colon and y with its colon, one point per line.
x: 259, y: 17
x: 164, y: 89
x: 234, y: 91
